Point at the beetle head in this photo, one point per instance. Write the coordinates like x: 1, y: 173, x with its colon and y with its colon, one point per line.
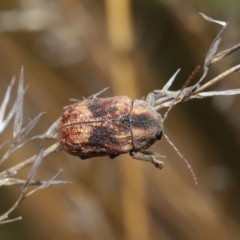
x: 160, y: 127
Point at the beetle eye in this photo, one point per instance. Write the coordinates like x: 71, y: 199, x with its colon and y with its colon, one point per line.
x: 159, y: 135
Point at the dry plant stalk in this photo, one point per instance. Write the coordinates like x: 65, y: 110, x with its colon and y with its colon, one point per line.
x: 19, y: 133
x: 164, y: 98
x: 167, y: 98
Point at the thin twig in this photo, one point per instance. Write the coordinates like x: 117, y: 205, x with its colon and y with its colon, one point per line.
x: 4, y: 217
x: 21, y: 134
x: 14, y: 170
x: 218, y: 78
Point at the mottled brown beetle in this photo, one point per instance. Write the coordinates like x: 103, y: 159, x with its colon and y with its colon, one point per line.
x: 111, y: 126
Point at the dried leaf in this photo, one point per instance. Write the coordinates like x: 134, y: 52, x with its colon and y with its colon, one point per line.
x: 212, y: 20
x: 224, y: 53
x: 213, y: 48
x: 4, y: 123
x: 34, y: 168
x: 6, y: 99
x: 19, y: 105
x: 171, y: 80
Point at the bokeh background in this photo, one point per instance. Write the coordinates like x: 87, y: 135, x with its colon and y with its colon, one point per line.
x: 75, y: 48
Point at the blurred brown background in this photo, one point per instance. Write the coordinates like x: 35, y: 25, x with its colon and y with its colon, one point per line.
x: 72, y: 49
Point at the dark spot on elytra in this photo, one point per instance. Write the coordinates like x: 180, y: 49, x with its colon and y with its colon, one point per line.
x: 100, y: 108
x: 69, y: 117
x: 142, y: 121
x: 125, y: 120
x: 102, y: 136
x: 63, y: 135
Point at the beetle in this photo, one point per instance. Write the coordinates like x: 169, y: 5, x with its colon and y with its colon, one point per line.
x: 110, y: 127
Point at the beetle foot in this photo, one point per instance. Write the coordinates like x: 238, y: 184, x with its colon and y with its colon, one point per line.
x: 157, y: 163
x: 150, y: 157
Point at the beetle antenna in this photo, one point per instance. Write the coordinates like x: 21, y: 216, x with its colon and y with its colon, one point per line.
x: 177, y: 98
x: 174, y: 102
x: 194, y: 178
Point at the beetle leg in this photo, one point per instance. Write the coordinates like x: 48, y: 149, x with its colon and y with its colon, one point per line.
x: 150, y: 157
x: 83, y: 158
x: 97, y: 94
x: 150, y: 99
x: 113, y: 156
